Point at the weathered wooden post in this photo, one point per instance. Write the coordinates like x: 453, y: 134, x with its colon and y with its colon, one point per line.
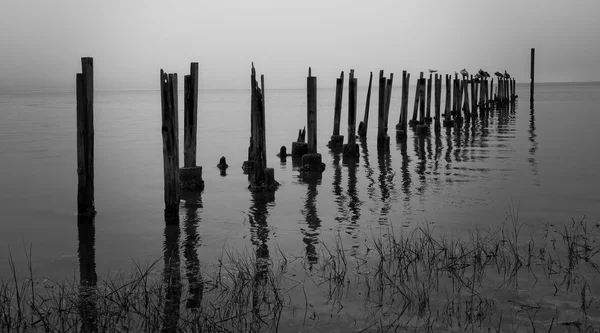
x: 337, y: 140
x: 190, y: 176
x: 466, y: 106
x: 312, y: 160
x: 351, y: 149
x: 481, y: 96
x: 437, y: 102
x: 458, y: 118
x: 382, y: 138
x: 414, y: 121
x: 428, y: 118
x: 85, y: 138
x: 455, y: 105
x: 448, y: 122
x: 170, y: 135
x: 532, y: 78
x: 264, y: 178
x: 491, y: 99
x: 388, y: 100
x: 422, y: 128
x: 364, y: 125
x: 401, y: 127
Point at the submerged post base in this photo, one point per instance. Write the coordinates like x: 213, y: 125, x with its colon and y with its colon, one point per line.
x: 337, y: 141
x: 448, y: 123
x: 413, y: 123
x: 312, y: 163
x: 191, y: 178
x: 350, y: 150
x: 422, y: 129
x: 268, y: 184
x: 299, y: 148
x: 383, y: 140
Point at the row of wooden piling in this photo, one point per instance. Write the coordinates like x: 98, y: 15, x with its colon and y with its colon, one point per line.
x: 460, y: 106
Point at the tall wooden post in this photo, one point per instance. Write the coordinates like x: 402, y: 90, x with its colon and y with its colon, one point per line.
x: 170, y: 135
x: 401, y: 127
x: 339, y: 94
x: 388, y: 100
x: 414, y: 121
x: 337, y: 140
x: 381, y: 141
x: 351, y: 149
x: 466, y: 107
x: 311, y: 112
x: 532, y: 77
x: 85, y: 138
x: 437, y: 101
x: 364, y: 125
x: 422, y: 128
x: 190, y: 116
x: 428, y: 118
x: 448, y: 122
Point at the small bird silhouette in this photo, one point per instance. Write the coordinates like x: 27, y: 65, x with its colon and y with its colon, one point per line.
x: 433, y: 71
x: 499, y: 75
x: 506, y: 75
x: 464, y: 72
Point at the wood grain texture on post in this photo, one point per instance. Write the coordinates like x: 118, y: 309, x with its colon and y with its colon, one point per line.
x: 85, y: 138
x: 352, y: 92
x: 170, y: 134
x: 311, y: 112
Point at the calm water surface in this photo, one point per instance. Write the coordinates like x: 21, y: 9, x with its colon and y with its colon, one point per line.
x: 545, y: 161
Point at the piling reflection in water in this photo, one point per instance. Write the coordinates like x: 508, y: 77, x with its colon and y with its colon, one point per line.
x: 259, y: 211
x: 86, y: 234
x: 386, y: 183
x: 534, y: 147
x: 368, y: 168
x: 171, y: 277
x: 354, y: 204
x: 313, y: 222
x: 192, y: 204
x: 338, y: 194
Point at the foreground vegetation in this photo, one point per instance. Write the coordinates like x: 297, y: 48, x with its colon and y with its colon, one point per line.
x: 492, y: 281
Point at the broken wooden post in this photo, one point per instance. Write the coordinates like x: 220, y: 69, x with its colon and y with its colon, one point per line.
x: 437, y: 101
x: 364, y: 125
x: 381, y: 134
x: 337, y: 140
x: 312, y: 160
x: 422, y: 127
x: 263, y: 178
x: 85, y: 138
x: 190, y: 176
x: 170, y: 135
x: 448, y: 122
x: 414, y: 121
x: 351, y: 149
x: 388, y: 101
x: 401, y: 127
x: 428, y: 118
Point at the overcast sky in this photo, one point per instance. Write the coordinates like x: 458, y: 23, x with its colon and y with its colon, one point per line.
x: 42, y: 41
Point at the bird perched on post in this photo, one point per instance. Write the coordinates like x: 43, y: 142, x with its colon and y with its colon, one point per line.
x: 483, y: 73
x: 464, y: 72
x: 506, y: 75
x: 433, y: 71
x: 499, y: 75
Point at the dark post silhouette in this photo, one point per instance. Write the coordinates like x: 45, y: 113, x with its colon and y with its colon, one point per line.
x: 85, y: 138
x: 402, y: 125
x: 170, y: 135
x: 351, y: 149
x: 364, y: 125
x: 381, y: 135
x: 190, y: 176
x: 422, y: 128
x: 437, y: 101
x: 532, y: 77
x: 337, y: 140
x: 311, y: 112
x: 388, y: 101
x: 448, y: 122
x: 428, y: 118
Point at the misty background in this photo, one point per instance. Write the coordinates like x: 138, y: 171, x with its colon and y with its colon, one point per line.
x: 42, y: 41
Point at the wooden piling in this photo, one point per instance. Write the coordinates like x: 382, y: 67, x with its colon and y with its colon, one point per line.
x: 401, y: 127
x: 448, y: 122
x: 381, y: 134
x: 414, y: 121
x: 473, y: 97
x: 351, y: 149
x: 438, y: 101
x: 190, y: 116
x: 339, y: 93
x: 388, y: 100
x: 311, y: 112
x: 85, y: 138
x: 491, y: 98
x: 422, y: 128
x: 363, y: 127
x: 466, y: 106
x: 532, y: 78
x: 170, y: 135
x: 428, y: 118
x: 337, y: 140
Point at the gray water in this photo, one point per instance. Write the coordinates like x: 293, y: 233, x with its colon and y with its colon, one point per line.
x: 545, y: 161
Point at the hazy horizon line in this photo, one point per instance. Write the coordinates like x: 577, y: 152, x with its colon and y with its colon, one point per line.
x: 244, y: 89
